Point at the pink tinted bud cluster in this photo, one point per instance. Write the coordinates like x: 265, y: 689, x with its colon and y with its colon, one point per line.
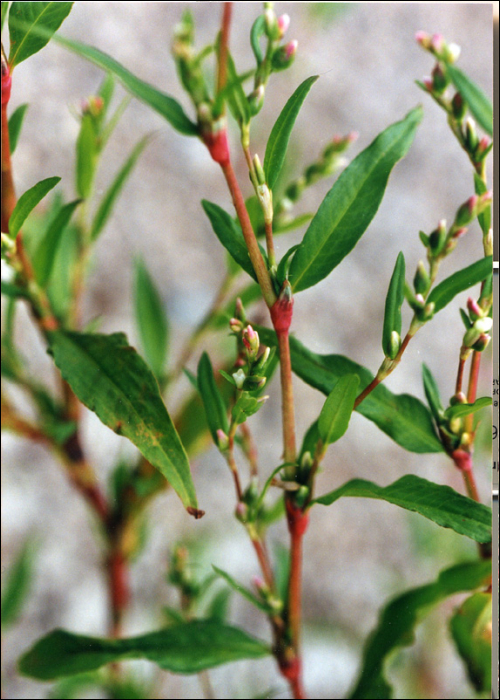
x: 474, y: 309
x: 283, y: 24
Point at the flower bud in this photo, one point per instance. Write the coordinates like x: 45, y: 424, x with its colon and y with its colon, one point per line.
x: 283, y: 24
x: 421, y: 281
x: 471, y: 138
x: 459, y: 107
x: 241, y: 512
x: 458, y: 398
x: 222, y: 440
x: 395, y: 344
x: 256, y: 100
x: 467, y: 212
x: 474, y: 309
x: 439, y: 80
x: 253, y: 383
x: 239, y: 377
x: 263, y: 359
x: 428, y: 83
x: 437, y: 43
x: 424, y: 39
x: 451, y: 53
x: 266, y: 201
x: 437, y: 238
x: 239, y: 310
x: 251, y: 342
x: 429, y: 311
x: 271, y: 22
x: 236, y: 325
x: 483, y: 148
x: 484, y: 325
x: 482, y: 342
x: 459, y: 232
x: 259, y: 585
x: 284, y: 56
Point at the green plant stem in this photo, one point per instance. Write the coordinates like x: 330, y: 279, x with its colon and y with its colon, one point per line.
x: 232, y: 463
x: 460, y: 375
x: 472, y: 388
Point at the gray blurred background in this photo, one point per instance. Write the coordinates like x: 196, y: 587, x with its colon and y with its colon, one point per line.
x: 357, y: 553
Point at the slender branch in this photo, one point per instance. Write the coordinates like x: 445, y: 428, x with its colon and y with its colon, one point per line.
x: 288, y: 408
x: 460, y: 375
x: 472, y: 388
x: 223, y: 47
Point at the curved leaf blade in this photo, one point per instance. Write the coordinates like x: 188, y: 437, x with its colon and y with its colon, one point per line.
x: 215, y: 407
x: 150, y: 319
x: 17, y: 586
x: 393, y: 304
x: 182, y: 648
x: 25, y: 18
x: 465, y: 409
x: 478, y: 103
x: 334, y: 418
x: 432, y: 393
x: 348, y: 208
x: 111, y: 379
x: 281, y: 131
x: 399, y: 618
x: 447, y: 290
x: 471, y: 629
x: 15, y: 124
x: 241, y: 589
x: 45, y: 254
x: 28, y: 201
x: 438, y: 503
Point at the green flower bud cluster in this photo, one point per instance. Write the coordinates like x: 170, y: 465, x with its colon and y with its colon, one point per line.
x: 180, y: 576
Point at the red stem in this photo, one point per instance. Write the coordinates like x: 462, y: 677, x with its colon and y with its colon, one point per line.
x: 223, y: 46
x: 460, y: 376
x: 288, y: 409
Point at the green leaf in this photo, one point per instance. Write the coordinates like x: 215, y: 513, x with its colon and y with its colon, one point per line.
x: 15, y: 125
x: 235, y: 95
x: 159, y: 101
x: 286, y: 226
x: 17, y: 586
x: 465, y: 409
x: 432, y: 393
x: 484, y: 218
x: 13, y: 291
x: 258, y: 30
x: 109, y: 199
x: 25, y: 18
x: 215, y: 407
x: 397, y: 622
x: 218, y: 608
x: 28, y: 201
x: 336, y: 412
x: 471, y: 628
x: 284, y: 265
x: 5, y: 9
x: 241, y: 589
x: 348, y: 208
x: 281, y: 131
x: 438, y: 503
x: 73, y: 686
x: 447, y: 290
x: 393, y: 304
x: 401, y: 416
x: 479, y: 105
x: 87, y: 152
x: 46, y: 251
x: 111, y: 379
x: 183, y: 648
x: 150, y: 319
x: 230, y: 235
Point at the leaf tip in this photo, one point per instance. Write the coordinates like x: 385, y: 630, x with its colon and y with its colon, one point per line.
x: 195, y: 512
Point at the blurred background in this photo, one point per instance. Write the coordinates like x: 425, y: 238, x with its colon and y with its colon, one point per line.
x: 358, y: 553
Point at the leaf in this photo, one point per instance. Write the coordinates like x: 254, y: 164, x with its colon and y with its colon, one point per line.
x: 25, y: 18
x: 465, y: 409
x: 159, y: 101
x: 336, y: 412
x: 17, y: 586
x: 393, y: 304
x: 484, y: 218
x: 150, y: 319
x: 28, y: 201
x: 281, y: 131
x: 401, y: 416
x: 111, y: 379
x: 218, y: 608
x: 73, y: 686
x: 447, y: 290
x: 438, y: 503
x: 183, y: 648
x: 13, y: 291
x: 109, y: 199
x: 348, y: 208
x: 479, y: 105
x: 241, y: 590
x: 15, y: 125
x: 284, y: 266
x: 399, y: 618
x: 5, y: 9
x: 215, y: 407
x: 230, y: 235
x: 235, y: 95
x: 46, y: 251
x: 471, y: 629
x: 432, y: 393
x: 87, y: 152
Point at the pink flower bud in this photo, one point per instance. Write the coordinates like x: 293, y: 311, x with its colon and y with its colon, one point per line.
x: 259, y: 584
x: 437, y: 43
x: 241, y: 512
x: 423, y: 39
x: 474, y: 308
x: 428, y: 83
x: 235, y: 325
x: 460, y: 232
x: 222, y: 440
x: 283, y: 24
x: 483, y: 144
x: 251, y: 341
x: 291, y: 49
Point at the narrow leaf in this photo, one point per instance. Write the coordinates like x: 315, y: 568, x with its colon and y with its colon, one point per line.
x: 471, y: 629
x: 17, y: 585
x: 465, y: 409
x: 397, y: 622
x: 284, y: 265
x: 25, y: 18
x: 401, y: 416
x: 484, y: 218
x: 215, y: 407
x: 393, y: 303
x: 109, y: 199
x: 478, y: 103
x: 183, y: 648
x: 447, y: 290
x: 15, y: 125
x: 336, y: 412
x: 87, y: 151
x: 432, y: 393
x: 46, y: 251
x: 111, y: 379
x: 28, y: 201
x: 241, y: 589
x: 348, y: 208
x: 150, y: 319
x: 257, y: 31
x: 281, y: 131
x: 235, y: 95
x: 5, y: 9
x: 438, y: 503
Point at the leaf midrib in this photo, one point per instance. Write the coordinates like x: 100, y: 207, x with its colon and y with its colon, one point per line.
x: 26, y: 36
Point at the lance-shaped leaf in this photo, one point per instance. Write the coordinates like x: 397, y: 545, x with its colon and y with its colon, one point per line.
x: 25, y: 18
x: 111, y: 379
x: 432, y: 393
x: 235, y: 95
x: 478, y: 103
x: 45, y: 254
x: 401, y: 416
x: 230, y: 235
x: 28, y: 201
x: 281, y: 131
x: 150, y: 319
x: 182, y: 648
x: 447, y: 290
x: 336, y: 412
x: 348, y: 208
x: 5, y: 10
x: 393, y: 303
x: 15, y: 124
x: 471, y: 628
x: 484, y: 218
x: 16, y: 587
x: 215, y: 407
x: 108, y: 201
x: 398, y: 620
x: 241, y: 589
x: 438, y: 503
x: 465, y: 409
